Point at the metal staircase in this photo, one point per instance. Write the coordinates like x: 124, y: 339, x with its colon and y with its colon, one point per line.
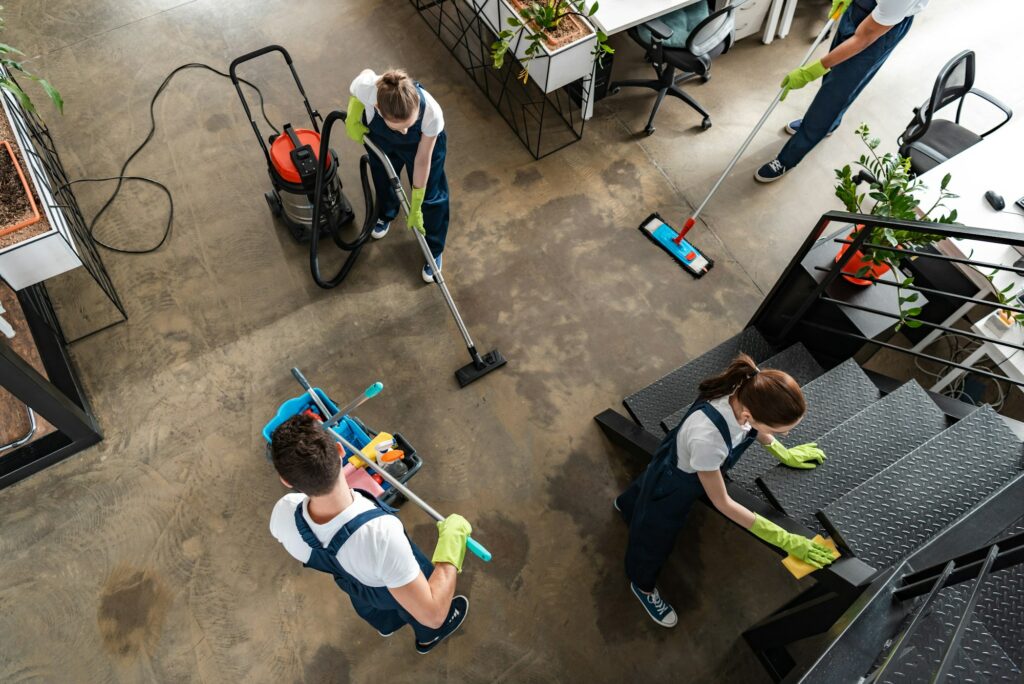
x: 912, y: 483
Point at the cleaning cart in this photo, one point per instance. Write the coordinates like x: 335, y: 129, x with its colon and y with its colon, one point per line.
x: 358, y: 435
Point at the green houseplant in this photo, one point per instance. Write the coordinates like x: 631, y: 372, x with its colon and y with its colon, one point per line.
x: 890, y: 193
x: 540, y: 22
x: 11, y: 65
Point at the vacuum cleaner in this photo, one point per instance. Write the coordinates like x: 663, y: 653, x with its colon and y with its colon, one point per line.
x: 292, y: 164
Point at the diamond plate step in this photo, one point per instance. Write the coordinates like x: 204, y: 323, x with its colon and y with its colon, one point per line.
x: 678, y: 389
x: 1001, y: 603
x: 897, y: 510
x: 871, y: 440
x: 981, y: 657
x: 832, y: 398
x: 794, y: 359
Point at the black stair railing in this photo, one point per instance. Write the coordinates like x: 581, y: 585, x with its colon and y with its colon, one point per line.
x: 800, y: 316
x: 952, y: 648
x: 897, y: 646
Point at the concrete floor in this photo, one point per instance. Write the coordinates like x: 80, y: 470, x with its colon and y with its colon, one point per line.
x: 147, y: 558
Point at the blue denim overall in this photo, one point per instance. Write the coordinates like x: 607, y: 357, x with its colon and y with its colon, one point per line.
x: 376, y: 605
x: 843, y: 83
x: 401, y: 150
x: 656, y: 504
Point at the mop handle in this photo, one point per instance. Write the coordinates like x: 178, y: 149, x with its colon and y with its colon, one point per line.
x: 369, y: 393
x: 476, y: 547
x: 743, y: 148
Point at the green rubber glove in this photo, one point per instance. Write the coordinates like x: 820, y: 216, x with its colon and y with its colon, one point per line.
x: 803, y: 548
x: 415, y: 218
x: 802, y: 456
x: 838, y: 7
x: 452, y: 533
x: 801, y: 76
x: 354, y: 125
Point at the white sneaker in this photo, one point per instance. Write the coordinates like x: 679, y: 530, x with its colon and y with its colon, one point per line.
x: 428, y: 270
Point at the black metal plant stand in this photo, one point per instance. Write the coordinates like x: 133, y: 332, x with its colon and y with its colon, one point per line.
x: 543, y: 122
x: 48, y: 171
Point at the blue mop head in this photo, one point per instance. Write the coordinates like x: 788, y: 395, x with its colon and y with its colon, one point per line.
x: 685, y: 254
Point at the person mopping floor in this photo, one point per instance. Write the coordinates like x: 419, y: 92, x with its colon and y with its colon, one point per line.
x: 868, y: 33
x: 352, y: 536
x: 407, y: 124
x: 742, y: 404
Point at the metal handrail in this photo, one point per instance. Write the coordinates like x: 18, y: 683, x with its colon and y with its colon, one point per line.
x: 922, y: 355
x: 932, y: 291
x: 930, y: 255
x: 937, y: 326
x: 909, y: 631
x: 949, y: 657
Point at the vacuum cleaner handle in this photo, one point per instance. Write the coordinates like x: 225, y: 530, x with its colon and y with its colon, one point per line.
x: 232, y: 71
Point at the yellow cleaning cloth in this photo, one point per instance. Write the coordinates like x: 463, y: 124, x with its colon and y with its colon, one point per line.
x: 800, y: 569
x: 369, y: 451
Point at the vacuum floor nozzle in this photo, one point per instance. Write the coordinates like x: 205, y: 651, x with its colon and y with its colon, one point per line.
x: 476, y: 369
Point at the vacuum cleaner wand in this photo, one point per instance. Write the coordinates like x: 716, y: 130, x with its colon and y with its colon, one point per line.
x: 480, y: 365
x: 332, y: 419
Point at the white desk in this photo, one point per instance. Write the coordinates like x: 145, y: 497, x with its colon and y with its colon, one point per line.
x: 615, y: 16
x: 993, y: 164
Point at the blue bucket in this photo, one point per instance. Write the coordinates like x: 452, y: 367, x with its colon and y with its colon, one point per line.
x: 347, y: 428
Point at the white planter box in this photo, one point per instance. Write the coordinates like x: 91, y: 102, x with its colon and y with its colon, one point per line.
x: 48, y: 254
x: 553, y: 69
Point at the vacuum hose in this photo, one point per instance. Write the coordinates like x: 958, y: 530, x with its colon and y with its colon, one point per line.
x: 355, y: 246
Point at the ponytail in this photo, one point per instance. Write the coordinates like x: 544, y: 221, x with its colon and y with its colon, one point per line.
x: 397, y: 98
x: 772, y: 397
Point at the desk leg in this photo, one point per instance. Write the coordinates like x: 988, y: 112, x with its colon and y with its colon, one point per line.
x: 957, y: 372
x: 948, y: 323
x: 588, y: 93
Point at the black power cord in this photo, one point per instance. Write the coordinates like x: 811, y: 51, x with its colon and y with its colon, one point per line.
x: 121, y: 177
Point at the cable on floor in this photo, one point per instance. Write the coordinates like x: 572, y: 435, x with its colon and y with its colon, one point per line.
x: 121, y: 177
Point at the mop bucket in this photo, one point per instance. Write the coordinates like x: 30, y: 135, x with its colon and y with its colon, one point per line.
x: 352, y: 429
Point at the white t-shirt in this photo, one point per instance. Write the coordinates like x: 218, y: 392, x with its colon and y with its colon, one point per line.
x: 364, y: 87
x: 699, y: 443
x: 378, y: 554
x: 892, y: 12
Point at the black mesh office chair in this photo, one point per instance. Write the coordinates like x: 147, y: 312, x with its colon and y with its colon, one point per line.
x: 709, y: 39
x: 929, y: 141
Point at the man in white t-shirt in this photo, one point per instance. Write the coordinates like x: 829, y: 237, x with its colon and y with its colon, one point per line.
x: 867, y: 33
x: 361, y: 543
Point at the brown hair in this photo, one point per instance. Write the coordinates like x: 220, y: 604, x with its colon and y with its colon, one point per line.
x: 771, y: 396
x: 305, y: 456
x: 397, y: 98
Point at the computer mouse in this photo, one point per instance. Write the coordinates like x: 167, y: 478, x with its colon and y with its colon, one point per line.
x: 995, y: 200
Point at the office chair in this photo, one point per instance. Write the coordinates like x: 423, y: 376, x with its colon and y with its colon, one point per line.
x: 929, y: 141
x: 709, y: 39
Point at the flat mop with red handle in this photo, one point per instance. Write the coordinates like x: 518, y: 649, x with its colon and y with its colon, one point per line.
x: 674, y: 242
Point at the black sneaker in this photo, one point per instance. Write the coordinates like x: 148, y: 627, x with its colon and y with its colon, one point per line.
x: 772, y: 171
x: 456, y: 615
x: 659, y: 610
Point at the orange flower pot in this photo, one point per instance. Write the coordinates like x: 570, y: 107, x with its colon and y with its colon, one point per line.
x: 857, y: 262
x: 35, y: 217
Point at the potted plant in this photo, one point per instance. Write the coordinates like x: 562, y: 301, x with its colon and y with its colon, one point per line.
x: 17, y: 205
x: 11, y: 65
x: 891, y: 191
x: 35, y: 238
x: 556, y: 32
